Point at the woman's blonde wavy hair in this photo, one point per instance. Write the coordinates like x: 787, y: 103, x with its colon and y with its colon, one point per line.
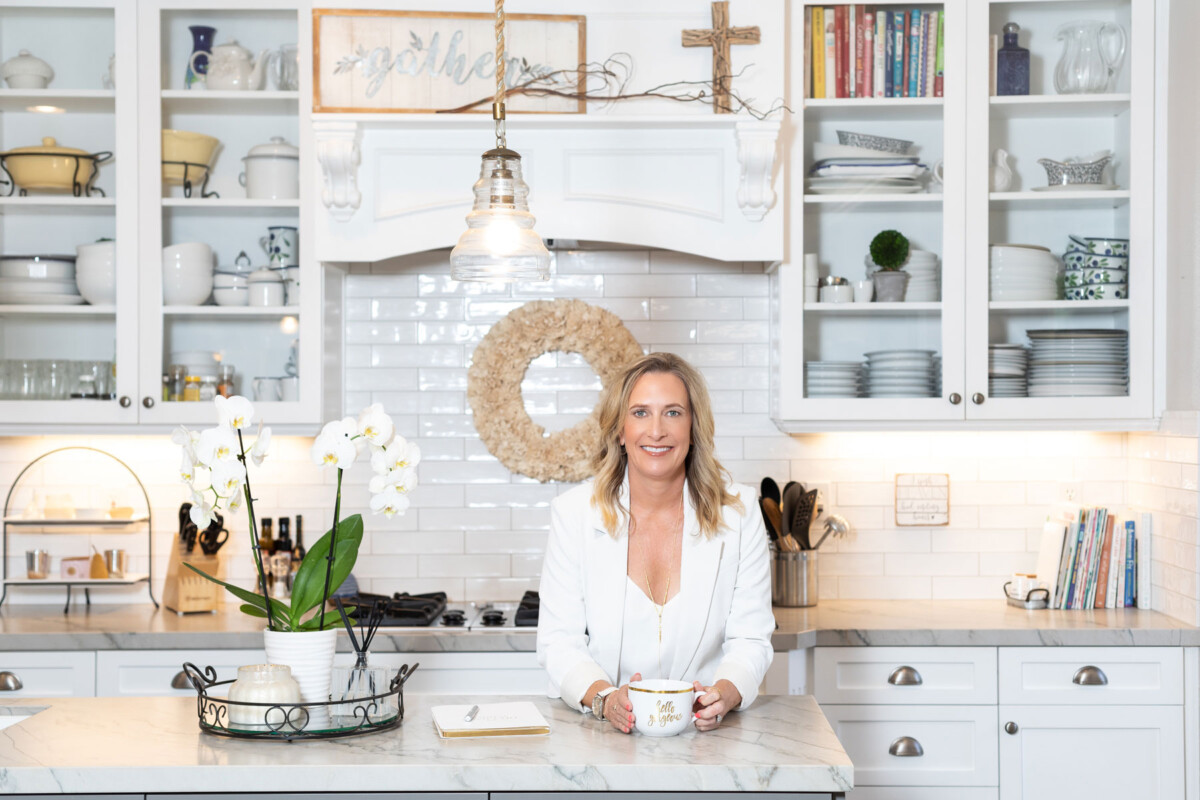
x: 706, y: 478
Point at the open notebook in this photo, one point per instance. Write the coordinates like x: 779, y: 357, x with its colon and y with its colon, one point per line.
x: 494, y: 719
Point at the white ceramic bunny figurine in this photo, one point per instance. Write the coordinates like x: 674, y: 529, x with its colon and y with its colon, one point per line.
x: 1001, y: 173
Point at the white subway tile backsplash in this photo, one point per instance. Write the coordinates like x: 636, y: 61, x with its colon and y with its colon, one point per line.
x: 440, y: 379
x: 884, y: 588
x: 448, y: 332
x: 662, y: 333
x: 731, y: 285
x: 582, y: 286
x: 602, y: 262
x: 467, y: 519
x: 650, y: 286
x: 408, y: 308
x: 440, y: 285
x: 535, y: 496
x: 704, y: 355
x: 753, y: 331
x: 451, y: 566
x: 697, y: 308
x: 498, y: 589
x: 416, y: 355
x: 931, y: 564
x: 463, y: 472
x: 529, y: 543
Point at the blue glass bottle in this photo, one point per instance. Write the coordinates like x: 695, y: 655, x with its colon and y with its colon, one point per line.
x: 202, y: 42
x: 1012, y: 64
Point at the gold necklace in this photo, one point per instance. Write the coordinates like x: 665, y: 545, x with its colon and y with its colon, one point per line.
x: 659, y: 610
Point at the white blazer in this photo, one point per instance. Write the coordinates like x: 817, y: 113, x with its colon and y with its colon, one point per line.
x: 725, y: 590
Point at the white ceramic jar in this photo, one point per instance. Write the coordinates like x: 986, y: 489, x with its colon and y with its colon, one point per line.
x: 266, y: 289
x: 26, y: 71
x: 272, y: 171
x: 262, y: 683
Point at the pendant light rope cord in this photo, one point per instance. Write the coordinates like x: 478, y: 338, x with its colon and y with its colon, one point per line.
x: 498, y: 101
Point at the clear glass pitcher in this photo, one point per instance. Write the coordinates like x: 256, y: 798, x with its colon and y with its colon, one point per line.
x: 1091, y: 58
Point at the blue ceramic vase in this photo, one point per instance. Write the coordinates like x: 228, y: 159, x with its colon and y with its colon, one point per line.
x: 202, y: 42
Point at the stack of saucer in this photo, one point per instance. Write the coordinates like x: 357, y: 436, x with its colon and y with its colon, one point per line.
x: 924, y: 285
x: 832, y: 378
x: 901, y: 373
x: 1083, y: 362
x: 1007, y: 365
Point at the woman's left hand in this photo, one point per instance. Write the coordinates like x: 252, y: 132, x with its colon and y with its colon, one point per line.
x: 717, y: 701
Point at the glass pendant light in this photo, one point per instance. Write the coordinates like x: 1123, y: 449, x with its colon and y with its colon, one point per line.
x: 500, y: 243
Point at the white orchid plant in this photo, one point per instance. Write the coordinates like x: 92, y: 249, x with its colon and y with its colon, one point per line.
x: 215, y: 469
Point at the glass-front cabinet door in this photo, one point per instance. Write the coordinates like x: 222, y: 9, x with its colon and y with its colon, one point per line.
x: 228, y: 305
x: 68, y: 217
x: 1060, y: 191
x: 882, y: 153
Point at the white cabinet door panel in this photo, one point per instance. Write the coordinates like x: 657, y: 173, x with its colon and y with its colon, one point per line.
x: 947, y: 675
x: 51, y: 674
x: 923, y: 793
x: 1103, y: 753
x: 958, y: 744
x: 151, y: 672
x: 1134, y: 675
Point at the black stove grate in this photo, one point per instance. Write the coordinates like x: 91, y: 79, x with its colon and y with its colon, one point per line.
x: 527, y: 611
x: 403, y: 609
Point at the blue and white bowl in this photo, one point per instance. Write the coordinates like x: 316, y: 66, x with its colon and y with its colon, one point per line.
x: 1090, y: 277
x: 1101, y: 245
x: 1098, y: 291
x: 1077, y: 259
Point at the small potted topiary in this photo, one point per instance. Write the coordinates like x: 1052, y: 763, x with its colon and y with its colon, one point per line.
x: 889, y: 252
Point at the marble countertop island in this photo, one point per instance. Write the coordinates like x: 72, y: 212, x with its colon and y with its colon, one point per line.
x: 831, y: 623
x: 152, y: 745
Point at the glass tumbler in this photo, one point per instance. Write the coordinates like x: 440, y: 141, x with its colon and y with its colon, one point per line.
x: 25, y: 379
x: 56, y: 379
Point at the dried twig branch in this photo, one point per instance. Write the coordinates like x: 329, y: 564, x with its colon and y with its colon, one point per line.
x: 605, y: 82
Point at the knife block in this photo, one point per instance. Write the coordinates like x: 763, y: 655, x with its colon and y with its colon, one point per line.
x: 185, y: 592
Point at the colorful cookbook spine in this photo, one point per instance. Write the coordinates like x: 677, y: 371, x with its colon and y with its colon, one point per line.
x: 1130, y: 562
x: 817, y: 34
x: 930, y: 53
x: 899, y: 28
x: 839, y: 35
x: 852, y: 54
x: 880, y: 54
x: 939, y: 67
x: 868, y: 61
x: 830, y: 53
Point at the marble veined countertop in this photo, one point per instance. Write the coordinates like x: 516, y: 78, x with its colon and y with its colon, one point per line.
x: 831, y: 623
x: 150, y: 745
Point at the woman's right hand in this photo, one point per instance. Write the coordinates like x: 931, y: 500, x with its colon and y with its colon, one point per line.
x: 618, y: 711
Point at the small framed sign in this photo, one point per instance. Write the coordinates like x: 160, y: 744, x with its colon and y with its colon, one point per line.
x: 369, y: 61
x: 922, y: 500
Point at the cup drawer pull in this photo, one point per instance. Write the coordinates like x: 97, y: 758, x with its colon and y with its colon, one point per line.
x: 9, y: 682
x: 905, y: 676
x: 180, y: 681
x: 1090, y: 676
x: 906, y: 747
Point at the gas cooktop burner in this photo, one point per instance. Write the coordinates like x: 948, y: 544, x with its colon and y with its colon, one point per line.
x: 416, y: 610
x: 492, y: 618
x: 454, y: 618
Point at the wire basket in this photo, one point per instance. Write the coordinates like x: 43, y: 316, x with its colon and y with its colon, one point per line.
x: 287, y: 722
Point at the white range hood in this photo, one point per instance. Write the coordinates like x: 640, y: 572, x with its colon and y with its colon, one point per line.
x: 652, y: 173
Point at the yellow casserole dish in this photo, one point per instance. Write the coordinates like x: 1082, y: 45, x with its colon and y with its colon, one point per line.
x: 52, y: 167
x: 194, y: 148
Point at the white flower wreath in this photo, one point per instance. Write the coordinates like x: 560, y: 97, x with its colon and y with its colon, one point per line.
x: 498, y: 367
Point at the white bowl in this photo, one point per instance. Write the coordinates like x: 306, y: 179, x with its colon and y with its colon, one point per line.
x: 187, y: 274
x: 231, y: 297
x: 37, y: 286
x: 53, y: 267
x: 96, y: 272
x: 223, y: 280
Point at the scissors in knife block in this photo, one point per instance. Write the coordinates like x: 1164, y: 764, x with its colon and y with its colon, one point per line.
x: 214, y: 537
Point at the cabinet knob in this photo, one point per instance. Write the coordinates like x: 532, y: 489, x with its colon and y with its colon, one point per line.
x: 978, y: 398
x: 9, y: 682
x: 148, y: 402
x: 1011, y: 728
x: 906, y: 747
x: 905, y: 676
x: 180, y: 681
x: 1090, y: 676
x: 126, y: 401
x: 955, y: 398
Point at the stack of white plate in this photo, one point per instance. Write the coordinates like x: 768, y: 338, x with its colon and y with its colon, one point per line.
x: 901, y: 373
x: 925, y: 284
x: 1007, y: 365
x: 1023, y: 272
x: 1083, y: 362
x: 832, y: 378
x: 38, y: 280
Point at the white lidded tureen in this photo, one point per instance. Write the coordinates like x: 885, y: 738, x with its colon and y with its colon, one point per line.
x: 26, y: 71
x: 272, y: 171
x: 233, y: 67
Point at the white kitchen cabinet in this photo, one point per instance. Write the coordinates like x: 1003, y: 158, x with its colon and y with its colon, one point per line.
x: 48, y: 674
x: 1091, y: 676
x: 913, y: 745
x: 1100, y: 753
x: 962, y: 130
x: 906, y: 675
x: 140, y: 673
x: 138, y: 332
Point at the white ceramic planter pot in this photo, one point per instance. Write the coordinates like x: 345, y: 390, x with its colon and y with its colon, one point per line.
x: 310, y: 656
x: 890, y: 286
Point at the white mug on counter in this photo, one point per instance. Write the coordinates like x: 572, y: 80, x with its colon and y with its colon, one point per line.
x: 864, y: 291
x: 289, y: 389
x: 267, y: 389
x: 662, y: 707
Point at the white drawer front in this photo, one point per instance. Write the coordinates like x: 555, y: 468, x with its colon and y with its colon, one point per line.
x: 948, y: 675
x: 958, y: 743
x: 151, y: 672
x: 1058, y: 675
x: 50, y: 674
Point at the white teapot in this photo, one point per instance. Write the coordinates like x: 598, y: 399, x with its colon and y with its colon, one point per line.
x: 230, y: 66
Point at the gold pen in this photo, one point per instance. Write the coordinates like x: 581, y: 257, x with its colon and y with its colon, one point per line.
x: 471, y: 714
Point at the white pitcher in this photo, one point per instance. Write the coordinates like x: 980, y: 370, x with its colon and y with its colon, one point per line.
x: 1001, y: 173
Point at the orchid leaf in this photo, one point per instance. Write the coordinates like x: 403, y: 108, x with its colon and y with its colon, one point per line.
x: 308, y: 586
x: 278, y: 609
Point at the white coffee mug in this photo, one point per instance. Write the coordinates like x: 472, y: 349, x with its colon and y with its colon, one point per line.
x: 937, y: 173
x: 841, y: 293
x: 289, y: 389
x: 267, y: 389
x: 864, y: 291
x: 662, y: 707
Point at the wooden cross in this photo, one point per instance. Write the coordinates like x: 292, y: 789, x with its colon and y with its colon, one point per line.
x: 719, y: 38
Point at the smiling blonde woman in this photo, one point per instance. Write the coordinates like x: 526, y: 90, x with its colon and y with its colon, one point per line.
x: 655, y: 568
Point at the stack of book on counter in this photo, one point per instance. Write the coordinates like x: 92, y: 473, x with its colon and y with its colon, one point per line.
x: 1096, y: 559
x: 874, y: 51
